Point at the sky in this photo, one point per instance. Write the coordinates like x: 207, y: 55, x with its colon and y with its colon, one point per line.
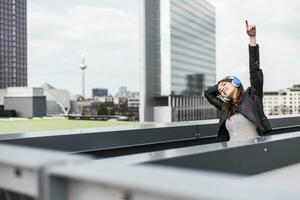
x: 107, y: 33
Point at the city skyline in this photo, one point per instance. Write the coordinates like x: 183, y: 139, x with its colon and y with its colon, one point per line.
x: 277, y: 37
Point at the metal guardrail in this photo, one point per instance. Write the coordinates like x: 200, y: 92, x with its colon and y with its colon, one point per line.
x: 116, y: 141
x: 97, y: 117
x: 22, y: 171
x: 112, y: 182
x: 263, y: 149
x: 35, y: 174
x: 265, y: 163
x: 113, y: 138
x: 248, y: 158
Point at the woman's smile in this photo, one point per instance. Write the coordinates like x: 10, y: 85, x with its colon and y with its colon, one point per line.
x: 223, y: 91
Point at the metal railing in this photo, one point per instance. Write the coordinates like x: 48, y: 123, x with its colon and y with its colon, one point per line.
x: 23, y: 171
x: 114, y: 141
x: 35, y: 174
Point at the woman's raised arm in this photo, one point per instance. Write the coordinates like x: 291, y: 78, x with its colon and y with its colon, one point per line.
x: 256, y: 74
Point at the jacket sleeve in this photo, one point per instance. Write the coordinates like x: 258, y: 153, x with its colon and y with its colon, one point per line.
x: 256, y: 74
x: 211, y: 95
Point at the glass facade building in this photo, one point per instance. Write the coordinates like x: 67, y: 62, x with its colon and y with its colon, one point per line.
x: 13, y: 43
x: 99, y: 92
x: 193, y: 49
x: 178, y: 48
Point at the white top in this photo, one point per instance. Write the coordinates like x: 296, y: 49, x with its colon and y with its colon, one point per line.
x: 240, y: 128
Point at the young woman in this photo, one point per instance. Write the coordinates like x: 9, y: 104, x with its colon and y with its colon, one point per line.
x: 242, y: 116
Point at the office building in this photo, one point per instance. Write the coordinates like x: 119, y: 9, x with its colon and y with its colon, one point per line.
x: 124, y: 92
x: 99, y: 92
x: 283, y: 102
x: 27, y: 102
x: 13, y: 43
x: 178, y: 59
x: 133, y: 108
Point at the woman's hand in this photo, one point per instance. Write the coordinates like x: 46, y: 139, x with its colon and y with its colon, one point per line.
x: 251, y: 31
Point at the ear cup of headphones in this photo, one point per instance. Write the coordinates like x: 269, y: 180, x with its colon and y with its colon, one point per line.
x: 236, y: 82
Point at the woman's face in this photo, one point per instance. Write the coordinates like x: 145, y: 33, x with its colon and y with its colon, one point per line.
x: 226, y: 89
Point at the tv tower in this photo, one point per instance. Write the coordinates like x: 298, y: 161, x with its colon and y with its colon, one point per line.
x: 83, y: 66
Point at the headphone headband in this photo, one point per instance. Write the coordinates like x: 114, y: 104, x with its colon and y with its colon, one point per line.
x: 234, y: 80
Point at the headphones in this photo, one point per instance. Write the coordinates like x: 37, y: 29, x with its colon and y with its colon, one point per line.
x: 235, y: 82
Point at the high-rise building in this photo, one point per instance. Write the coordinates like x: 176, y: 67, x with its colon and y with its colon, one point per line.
x: 13, y: 43
x: 178, y: 59
x: 100, y: 92
x: 124, y: 92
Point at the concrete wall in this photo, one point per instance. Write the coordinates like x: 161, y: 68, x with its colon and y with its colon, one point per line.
x: 26, y: 106
x: 3, y: 92
x: 162, y: 114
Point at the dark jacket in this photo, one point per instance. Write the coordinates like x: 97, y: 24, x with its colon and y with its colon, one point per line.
x: 250, y: 106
